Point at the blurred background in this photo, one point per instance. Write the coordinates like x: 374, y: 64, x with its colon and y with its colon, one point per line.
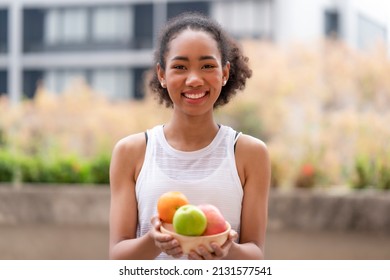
x: 73, y: 82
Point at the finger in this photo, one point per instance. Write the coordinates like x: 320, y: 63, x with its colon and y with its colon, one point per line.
x: 155, y: 221
x: 174, y: 252
x: 178, y: 256
x: 194, y: 256
x: 164, y: 238
x: 218, y: 251
x: 205, y: 253
x: 172, y: 248
x: 233, y: 235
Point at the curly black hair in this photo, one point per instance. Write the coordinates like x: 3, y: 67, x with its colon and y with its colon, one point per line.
x: 230, y: 52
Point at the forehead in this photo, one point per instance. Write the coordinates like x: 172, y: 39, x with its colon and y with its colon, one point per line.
x: 193, y: 42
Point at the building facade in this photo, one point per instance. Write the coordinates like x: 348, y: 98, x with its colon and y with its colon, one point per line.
x: 109, y: 43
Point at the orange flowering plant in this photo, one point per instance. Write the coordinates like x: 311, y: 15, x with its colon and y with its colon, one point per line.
x: 307, y: 176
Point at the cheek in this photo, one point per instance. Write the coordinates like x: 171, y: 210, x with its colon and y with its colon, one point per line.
x: 174, y: 82
x: 215, y: 80
x: 174, y: 78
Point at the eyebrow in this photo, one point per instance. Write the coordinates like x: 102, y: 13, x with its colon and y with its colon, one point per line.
x: 203, y: 57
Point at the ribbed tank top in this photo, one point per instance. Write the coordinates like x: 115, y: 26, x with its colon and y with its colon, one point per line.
x: 208, y: 175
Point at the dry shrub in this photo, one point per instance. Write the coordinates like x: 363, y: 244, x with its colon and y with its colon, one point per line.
x: 77, y: 121
x: 325, y: 105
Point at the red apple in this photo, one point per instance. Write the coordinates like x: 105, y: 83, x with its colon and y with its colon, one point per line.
x: 215, y: 221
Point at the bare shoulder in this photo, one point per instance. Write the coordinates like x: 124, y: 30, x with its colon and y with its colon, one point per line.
x: 252, y: 160
x: 127, y: 157
x: 130, y: 145
x: 249, y: 146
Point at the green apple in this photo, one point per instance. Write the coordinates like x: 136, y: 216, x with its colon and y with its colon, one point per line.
x: 189, y: 220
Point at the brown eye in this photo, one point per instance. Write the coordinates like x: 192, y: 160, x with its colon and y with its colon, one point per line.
x: 208, y: 66
x: 179, y: 67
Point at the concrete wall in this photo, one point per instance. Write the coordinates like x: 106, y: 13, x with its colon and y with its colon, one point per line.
x: 54, y: 204
x: 300, y: 209
x: 330, y: 210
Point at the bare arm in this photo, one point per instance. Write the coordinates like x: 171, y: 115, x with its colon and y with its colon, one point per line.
x: 255, y: 172
x: 126, y: 162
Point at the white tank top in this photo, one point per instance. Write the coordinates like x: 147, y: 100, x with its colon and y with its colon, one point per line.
x: 208, y: 175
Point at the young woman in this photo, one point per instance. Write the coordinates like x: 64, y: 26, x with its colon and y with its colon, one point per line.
x: 197, y: 68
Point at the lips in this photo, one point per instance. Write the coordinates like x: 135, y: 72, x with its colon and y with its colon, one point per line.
x: 195, y: 94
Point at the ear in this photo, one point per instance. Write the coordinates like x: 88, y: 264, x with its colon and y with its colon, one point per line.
x: 225, y: 73
x: 161, y: 75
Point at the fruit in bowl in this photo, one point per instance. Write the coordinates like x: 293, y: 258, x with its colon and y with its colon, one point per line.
x: 215, y: 221
x: 189, y: 243
x: 191, y: 225
x: 168, y: 203
x: 189, y: 220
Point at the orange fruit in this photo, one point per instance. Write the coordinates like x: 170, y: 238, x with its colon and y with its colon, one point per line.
x: 168, y: 203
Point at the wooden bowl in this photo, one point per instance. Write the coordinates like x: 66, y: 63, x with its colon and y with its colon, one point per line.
x: 189, y: 243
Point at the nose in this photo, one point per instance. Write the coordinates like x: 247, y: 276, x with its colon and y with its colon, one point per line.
x: 194, y: 79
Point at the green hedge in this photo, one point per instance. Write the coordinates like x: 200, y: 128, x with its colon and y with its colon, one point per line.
x: 371, y: 173
x: 7, y: 167
x: 60, y: 169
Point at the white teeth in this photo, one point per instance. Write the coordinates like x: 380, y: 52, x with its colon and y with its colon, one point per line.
x: 195, y: 95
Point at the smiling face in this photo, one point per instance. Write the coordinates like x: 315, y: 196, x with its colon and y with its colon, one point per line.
x: 193, y: 74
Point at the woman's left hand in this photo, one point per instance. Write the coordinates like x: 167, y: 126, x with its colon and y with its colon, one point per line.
x: 220, y: 252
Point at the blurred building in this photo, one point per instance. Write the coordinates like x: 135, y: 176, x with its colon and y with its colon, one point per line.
x: 109, y: 43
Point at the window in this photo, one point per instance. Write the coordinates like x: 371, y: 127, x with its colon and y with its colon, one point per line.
x: 66, y: 26
x: 112, y: 24
x: 175, y: 9
x: 31, y: 78
x: 332, y: 28
x: 113, y: 83
x: 139, y: 82
x: 3, y: 31
x: 91, y: 28
x: 32, y: 29
x: 256, y: 22
x: 3, y: 82
x: 58, y: 80
x: 52, y: 27
x: 143, y: 31
x: 74, y: 25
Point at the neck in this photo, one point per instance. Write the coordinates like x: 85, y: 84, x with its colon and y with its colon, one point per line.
x: 190, y: 134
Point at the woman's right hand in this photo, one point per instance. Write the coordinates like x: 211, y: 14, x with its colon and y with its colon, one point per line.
x: 165, y: 242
